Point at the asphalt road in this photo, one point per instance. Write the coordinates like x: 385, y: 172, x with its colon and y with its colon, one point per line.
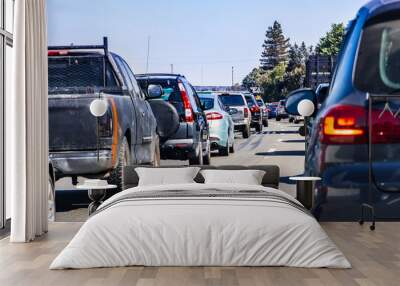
x: 279, y: 144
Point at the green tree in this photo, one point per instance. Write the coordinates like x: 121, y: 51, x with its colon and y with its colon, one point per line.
x: 275, y: 47
x: 296, y: 68
x: 272, y: 82
x: 330, y: 44
x: 251, y: 79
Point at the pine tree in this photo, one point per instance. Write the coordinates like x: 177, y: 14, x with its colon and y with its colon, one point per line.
x: 275, y: 47
x: 330, y: 44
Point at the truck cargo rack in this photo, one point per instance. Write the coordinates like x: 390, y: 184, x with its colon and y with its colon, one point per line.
x: 83, y: 47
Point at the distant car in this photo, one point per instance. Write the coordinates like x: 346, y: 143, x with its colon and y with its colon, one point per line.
x: 354, y: 143
x: 280, y: 110
x: 191, y: 139
x: 296, y: 119
x: 222, y: 128
x: 272, y: 110
x: 256, y: 113
x: 239, y: 111
x: 264, y: 110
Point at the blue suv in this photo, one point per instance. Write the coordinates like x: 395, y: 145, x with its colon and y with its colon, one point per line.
x: 354, y: 142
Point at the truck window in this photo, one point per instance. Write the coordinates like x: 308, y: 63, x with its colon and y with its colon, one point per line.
x: 377, y: 69
x: 81, y: 71
x: 124, y: 72
x: 135, y: 85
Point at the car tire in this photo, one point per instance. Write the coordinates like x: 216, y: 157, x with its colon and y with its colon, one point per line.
x: 246, y: 132
x: 51, y: 200
x: 296, y: 121
x: 291, y: 120
x: 224, y: 151
x: 259, y: 127
x: 207, y: 157
x: 232, y: 148
x: 197, y: 159
x: 124, y: 159
x: 157, y: 153
x: 278, y: 118
x: 265, y: 123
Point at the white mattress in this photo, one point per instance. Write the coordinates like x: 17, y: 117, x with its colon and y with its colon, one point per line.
x: 205, y: 231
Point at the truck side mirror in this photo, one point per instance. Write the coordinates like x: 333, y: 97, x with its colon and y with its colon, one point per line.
x: 301, y: 102
x: 154, y: 91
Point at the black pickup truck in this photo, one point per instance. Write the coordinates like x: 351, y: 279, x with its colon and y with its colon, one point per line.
x: 82, y: 144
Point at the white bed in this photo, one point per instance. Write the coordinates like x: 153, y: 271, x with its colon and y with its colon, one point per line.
x: 224, y: 225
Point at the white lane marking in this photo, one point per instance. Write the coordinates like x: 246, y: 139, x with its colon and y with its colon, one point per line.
x: 280, y: 140
x: 272, y: 150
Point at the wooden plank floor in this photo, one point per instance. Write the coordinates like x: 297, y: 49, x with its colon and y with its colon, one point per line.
x: 375, y: 257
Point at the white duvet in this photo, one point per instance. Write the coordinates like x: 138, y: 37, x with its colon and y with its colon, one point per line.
x: 200, y: 231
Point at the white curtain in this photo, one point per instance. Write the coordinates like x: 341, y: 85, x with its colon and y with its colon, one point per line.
x: 27, y: 123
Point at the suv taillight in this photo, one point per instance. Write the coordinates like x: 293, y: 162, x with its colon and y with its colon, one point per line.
x: 246, y: 112
x: 255, y: 108
x: 189, y: 118
x: 214, y: 116
x: 344, y: 124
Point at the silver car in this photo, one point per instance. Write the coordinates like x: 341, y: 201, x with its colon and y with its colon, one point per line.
x: 221, y: 126
x: 239, y: 111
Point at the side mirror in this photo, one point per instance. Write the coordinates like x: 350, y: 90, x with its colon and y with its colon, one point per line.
x: 154, y: 91
x: 301, y: 102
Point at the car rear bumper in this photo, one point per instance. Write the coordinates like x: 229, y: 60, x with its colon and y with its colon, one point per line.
x: 81, y: 162
x: 179, y: 149
x: 345, y: 187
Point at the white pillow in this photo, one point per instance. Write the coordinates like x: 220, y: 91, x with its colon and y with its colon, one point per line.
x: 246, y: 177
x: 166, y: 176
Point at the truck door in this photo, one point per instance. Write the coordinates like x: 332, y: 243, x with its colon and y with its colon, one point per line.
x: 145, y: 109
x: 137, y: 120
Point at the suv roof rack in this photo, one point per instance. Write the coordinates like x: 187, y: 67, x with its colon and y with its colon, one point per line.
x: 83, y: 47
x: 159, y: 74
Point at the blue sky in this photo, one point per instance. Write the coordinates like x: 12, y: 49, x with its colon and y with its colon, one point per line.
x: 203, y: 39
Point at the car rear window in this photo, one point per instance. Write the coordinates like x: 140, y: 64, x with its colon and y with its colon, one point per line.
x: 232, y: 100
x: 207, y: 102
x: 260, y: 102
x: 378, y: 61
x: 80, y: 72
x: 170, y: 87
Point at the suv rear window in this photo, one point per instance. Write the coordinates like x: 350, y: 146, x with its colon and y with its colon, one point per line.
x: 208, y: 103
x: 378, y: 62
x: 232, y: 99
x: 79, y: 72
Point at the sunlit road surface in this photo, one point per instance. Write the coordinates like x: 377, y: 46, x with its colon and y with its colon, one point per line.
x: 279, y: 144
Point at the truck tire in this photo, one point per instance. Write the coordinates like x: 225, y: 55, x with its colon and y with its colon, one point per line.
x: 246, y: 132
x: 157, y: 154
x: 197, y: 160
x: 124, y: 159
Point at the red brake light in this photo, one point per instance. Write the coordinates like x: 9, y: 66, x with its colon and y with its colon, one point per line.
x: 189, y: 118
x: 214, y: 116
x: 246, y: 112
x: 345, y: 124
x: 255, y: 108
x: 57, y: 53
